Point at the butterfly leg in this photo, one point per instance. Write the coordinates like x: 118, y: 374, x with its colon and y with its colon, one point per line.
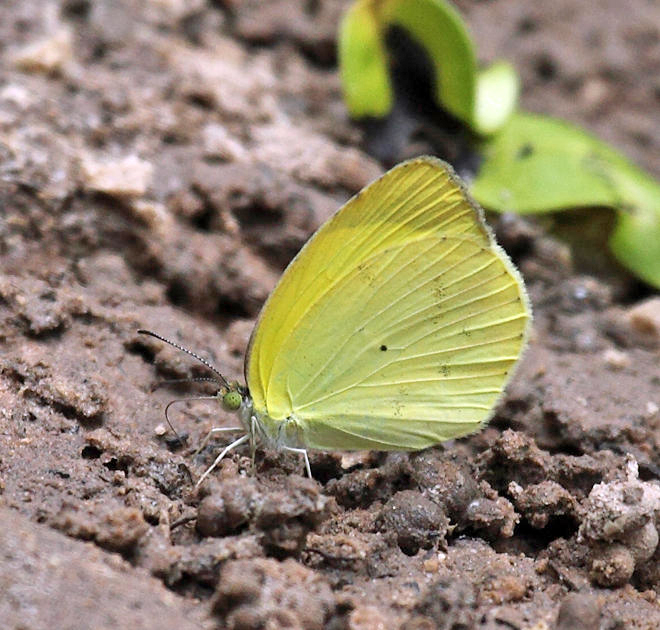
x: 303, y: 452
x: 253, y: 441
x: 205, y: 441
x: 217, y: 460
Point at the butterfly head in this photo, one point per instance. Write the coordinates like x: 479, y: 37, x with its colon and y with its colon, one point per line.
x: 233, y: 397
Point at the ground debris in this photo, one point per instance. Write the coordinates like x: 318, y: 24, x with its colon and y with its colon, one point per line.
x: 113, y: 527
x: 620, y: 525
x: 416, y: 521
x: 539, y: 502
x: 229, y: 507
x: 283, y: 517
x: 51, y: 581
x: 263, y: 593
x: 579, y: 611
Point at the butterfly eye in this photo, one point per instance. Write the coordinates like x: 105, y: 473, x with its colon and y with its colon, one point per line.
x: 231, y: 401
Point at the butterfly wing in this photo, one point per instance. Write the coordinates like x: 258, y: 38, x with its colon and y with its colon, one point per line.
x: 397, y: 325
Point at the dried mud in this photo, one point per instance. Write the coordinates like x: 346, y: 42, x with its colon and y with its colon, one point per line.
x: 160, y: 163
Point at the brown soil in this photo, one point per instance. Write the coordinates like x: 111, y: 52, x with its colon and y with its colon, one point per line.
x: 160, y: 163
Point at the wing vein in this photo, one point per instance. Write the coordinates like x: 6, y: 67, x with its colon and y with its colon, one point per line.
x: 355, y: 384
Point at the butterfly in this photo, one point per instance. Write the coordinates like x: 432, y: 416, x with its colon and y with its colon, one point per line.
x: 396, y: 327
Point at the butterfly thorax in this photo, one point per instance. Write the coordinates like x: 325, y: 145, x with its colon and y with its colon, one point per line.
x: 272, y: 433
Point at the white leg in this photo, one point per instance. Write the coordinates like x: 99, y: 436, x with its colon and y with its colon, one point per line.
x: 205, y: 441
x: 253, y: 441
x: 225, y: 450
x: 303, y: 452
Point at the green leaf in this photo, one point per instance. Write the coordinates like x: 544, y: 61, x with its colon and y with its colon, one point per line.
x: 538, y: 164
x: 482, y: 100
x: 363, y: 63
x: 440, y: 30
x: 497, y: 96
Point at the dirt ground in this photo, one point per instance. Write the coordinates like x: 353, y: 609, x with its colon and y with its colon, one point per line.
x: 160, y: 163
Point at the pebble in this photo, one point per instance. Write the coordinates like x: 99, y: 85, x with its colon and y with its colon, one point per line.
x: 417, y: 521
x: 645, y: 317
x: 49, y: 55
x: 579, y: 611
x: 219, y: 144
x: 228, y: 509
x: 126, y: 177
x: 615, y: 359
x: 613, y: 566
x: 264, y: 593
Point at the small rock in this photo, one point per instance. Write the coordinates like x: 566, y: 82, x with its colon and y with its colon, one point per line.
x: 114, y: 528
x: 448, y: 603
x: 155, y: 215
x: 417, y: 522
x: 169, y: 12
x: 647, y: 574
x: 49, y: 55
x: 16, y: 94
x: 612, y: 566
x: 615, y: 359
x: 643, y: 542
x: 160, y: 430
x: 218, y: 144
x: 368, y: 618
x: 264, y: 593
x: 538, y: 502
x: 614, y: 509
x: 225, y: 511
x: 446, y: 482
x: 121, y: 529
x: 579, y: 611
x: 288, y: 515
x: 353, y: 459
x: 359, y: 488
x: 432, y: 564
x: 507, y: 588
x: 645, y: 317
x: 620, y: 526
x: 124, y: 178
x: 495, y: 517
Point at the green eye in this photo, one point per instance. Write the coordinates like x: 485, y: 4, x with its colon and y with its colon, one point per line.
x: 231, y: 401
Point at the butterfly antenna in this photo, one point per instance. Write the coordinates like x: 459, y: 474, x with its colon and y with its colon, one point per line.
x: 178, y: 400
x: 167, y: 419
x: 223, y: 380
x: 177, y: 381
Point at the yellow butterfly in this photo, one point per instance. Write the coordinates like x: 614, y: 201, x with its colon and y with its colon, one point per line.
x: 396, y: 327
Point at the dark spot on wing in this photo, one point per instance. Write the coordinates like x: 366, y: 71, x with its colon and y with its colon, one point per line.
x: 383, y: 348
